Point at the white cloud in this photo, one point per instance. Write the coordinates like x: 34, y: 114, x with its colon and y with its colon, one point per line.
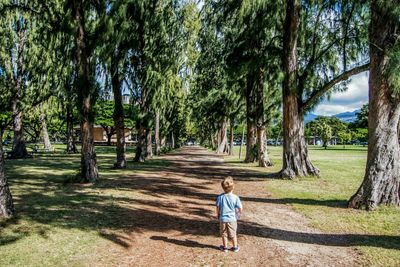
x: 350, y: 100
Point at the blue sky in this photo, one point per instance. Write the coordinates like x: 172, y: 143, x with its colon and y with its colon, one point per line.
x: 352, y: 99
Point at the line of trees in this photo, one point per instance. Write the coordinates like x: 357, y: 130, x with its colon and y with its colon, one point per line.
x: 289, y: 55
x: 61, y: 56
x: 200, y: 72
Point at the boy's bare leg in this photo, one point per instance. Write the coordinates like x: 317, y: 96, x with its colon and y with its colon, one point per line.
x: 225, y: 241
x: 234, y: 242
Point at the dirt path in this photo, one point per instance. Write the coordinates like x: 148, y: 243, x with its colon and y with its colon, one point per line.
x: 171, y: 221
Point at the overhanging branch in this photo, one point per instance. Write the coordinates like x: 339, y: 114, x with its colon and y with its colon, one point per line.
x: 317, y: 94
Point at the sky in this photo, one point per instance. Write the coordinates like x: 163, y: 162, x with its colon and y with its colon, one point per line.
x: 352, y: 99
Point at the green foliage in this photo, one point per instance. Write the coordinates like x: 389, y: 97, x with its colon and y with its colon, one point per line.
x: 328, y: 48
x: 362, y: 118
x: 325, y: 132
x: 360, y: 134
x: 345, y: 136
x: 5, y: 120
x: 314, y: 127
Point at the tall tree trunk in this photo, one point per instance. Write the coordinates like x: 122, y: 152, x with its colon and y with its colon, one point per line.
x: 149, y: 145
x: 140, y: 155
x: 86, y: 99
x: 157, y: 133
x: 71, y: 146
x: 19, y: 147
x: 295, y: 154
x: 212, y: 141
x: 172, y: 140
x: 119, y: 123
x: 262, y: 153
x: 263, y: 157
x: 251, y: 142
x: 46, y: 140
x: 241, y: 143
x: 381, y: 184
x: 232, y: 129
x: 6, y: 201
x: 109, y: 134
x: 163, y: 142
x: 222, y: 137
x: 251, y: 137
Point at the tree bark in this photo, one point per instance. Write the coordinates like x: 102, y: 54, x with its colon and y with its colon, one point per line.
x: 263, y: 157
x: 262, y: 153
x: 46, y: 140
x: 19, y: 148
x: 172, y: 140
x: 119, y: 123
x: 140, y: 155
x: 232, y: 129
x: 109, y: 134
x: 6, y: 201
x: 86, y: 99
x: 149, y: 145
x: 381, y: 184
x: 157, y: 133
x: 71, y: 146
x: 295, y: 154
x: 241, y: 143
x: 163, y: 142
x: 222, y: 138
x: 251, y: 137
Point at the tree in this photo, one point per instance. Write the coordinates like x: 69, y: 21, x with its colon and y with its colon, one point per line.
x: 154, y: 63
x: 316, y: 56
x: 325, y: 132
x: 345, y: 136
x: 15, y: 49
x: 213, y: 102
x: 362, y: 118
x: 381, y: 184
x: 252, y: 43
x: 360, y: 134
x: 89, y: 20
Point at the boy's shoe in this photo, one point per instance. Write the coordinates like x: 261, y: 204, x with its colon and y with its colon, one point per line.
x: 222, y: 248
x: 235, y: 249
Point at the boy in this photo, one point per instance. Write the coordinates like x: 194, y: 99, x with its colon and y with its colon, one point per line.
x: 229, y: 209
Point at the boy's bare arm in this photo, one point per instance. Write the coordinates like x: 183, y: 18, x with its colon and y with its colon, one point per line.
x: 217, y: 210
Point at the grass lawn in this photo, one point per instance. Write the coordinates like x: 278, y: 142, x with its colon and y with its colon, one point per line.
x: 60, y: 224
x: 376, y: 234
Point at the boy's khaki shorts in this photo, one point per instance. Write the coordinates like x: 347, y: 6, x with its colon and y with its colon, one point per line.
x: 228, y: 229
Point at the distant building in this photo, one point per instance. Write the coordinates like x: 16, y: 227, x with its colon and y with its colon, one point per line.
x: 100, y: 136
x: 110, y: 97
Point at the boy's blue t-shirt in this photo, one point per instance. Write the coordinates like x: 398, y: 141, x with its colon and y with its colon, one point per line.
x: 228, y: 203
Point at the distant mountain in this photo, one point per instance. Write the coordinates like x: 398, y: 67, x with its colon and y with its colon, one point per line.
x: 309, y: 117
x: 348, y: 117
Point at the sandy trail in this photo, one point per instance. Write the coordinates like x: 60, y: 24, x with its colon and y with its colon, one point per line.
x: 170, y: 220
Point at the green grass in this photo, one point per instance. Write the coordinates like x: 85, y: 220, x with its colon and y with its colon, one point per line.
x: 323, y: 200
x: 60, y: 224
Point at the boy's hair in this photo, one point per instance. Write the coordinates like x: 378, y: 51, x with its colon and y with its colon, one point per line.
x: 227, y: 184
